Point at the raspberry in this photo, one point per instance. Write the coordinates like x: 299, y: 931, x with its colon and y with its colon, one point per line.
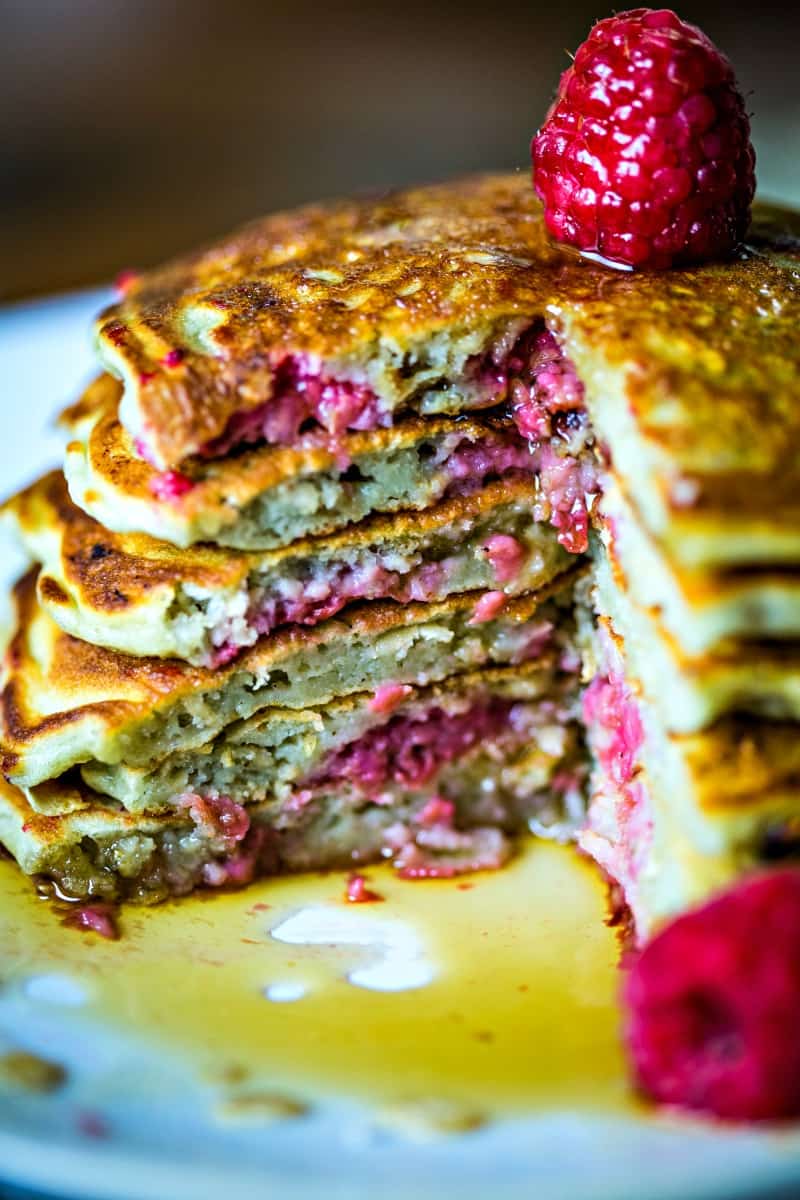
x: 713, y: 1000
x: 644, y: 157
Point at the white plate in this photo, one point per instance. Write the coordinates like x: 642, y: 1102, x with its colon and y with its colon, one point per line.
x: 164, y: 1143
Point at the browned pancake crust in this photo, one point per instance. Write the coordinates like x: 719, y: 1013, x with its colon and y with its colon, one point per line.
x: 743, y: 764
x: 121, y: 686
x: 717, y: 342
x: 325, y: 280
x: 109, y: 571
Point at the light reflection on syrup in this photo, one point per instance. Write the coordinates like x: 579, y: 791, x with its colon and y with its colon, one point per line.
x: 521, y: 1013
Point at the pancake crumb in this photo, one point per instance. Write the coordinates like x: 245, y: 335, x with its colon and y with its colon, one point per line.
x: 259, y: 1106
x: 426, y: 1119
x: 30, y: 1073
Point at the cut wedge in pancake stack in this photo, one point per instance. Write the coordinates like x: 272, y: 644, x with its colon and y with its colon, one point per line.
x: 313, y: 587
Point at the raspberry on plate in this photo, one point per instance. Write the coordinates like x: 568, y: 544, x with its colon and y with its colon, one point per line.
x: 713, y: 1001
x: 645, y: 157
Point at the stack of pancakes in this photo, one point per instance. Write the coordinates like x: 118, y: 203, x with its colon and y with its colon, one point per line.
x: 693, y: 714
x: 316, y: 586
x: 298, y: 599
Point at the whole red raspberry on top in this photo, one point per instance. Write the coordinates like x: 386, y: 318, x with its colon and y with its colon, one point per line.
x: 645, y: 155
x: 713, y: 1004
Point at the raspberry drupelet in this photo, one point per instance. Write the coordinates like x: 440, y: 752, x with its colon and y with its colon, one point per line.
x: 645, y: 156
x: 712, y: 1003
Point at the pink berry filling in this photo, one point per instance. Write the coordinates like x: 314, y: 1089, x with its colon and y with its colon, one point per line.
x: 220, y: 818
x: 618, y: 832
x: 610, y: 711
x: 240, y: 865
x: 490, y: 605
x: 506, y: 555
x: 226, y: 824
x: 357, y: 891
x: 406, y: 752
x: 388, y: 696
x: 170, y: 485
x: 534, y: 378
x: 544, y: 388
x: 409, y: 750
x: 96, y: 918
x: 308, y: 601
x: 443, y: 852
x: 303, y: 398
x: 546, y: 399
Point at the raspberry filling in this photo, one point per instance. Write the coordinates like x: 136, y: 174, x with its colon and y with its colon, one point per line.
x: 410, y: 750
x: 297, y: 602
x: 619, y: 827
x: 490, y: 605
x: 546, y: 395
x: 170, y: 485
x: 611, y: 713
x: 226, y: 824
x: 442, y: 852
x: 240, y: 865
x: 506, y: 555
x: 99, y: 918
x: 220, y: 818
x: 389, y: 696
x: 533, y: 378
x: 546, y: 400
x: 302, y: 398
x: 407, y: 752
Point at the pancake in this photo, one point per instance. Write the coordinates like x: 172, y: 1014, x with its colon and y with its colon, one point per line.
x: 132, y: 593
x: 692, y: 376
x: 456, y: 821
x: 674, y: 817
x: 700, y: 608
x: 266, y: 497
x: 692, y: 381
x: 408, y: 299
x: 692, y: 691
x: 280, y: 754
x: 66, y: 702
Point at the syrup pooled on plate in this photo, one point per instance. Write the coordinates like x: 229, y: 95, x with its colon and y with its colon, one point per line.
x: 495, y: 991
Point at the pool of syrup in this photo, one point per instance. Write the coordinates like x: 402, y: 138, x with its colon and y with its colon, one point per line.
x: 501, y: 986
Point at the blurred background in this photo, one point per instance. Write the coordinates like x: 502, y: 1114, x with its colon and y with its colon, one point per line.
x: 130, y: 129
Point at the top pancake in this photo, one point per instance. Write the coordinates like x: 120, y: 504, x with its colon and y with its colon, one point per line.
x: 365, y: 287
x: 693, y: 376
